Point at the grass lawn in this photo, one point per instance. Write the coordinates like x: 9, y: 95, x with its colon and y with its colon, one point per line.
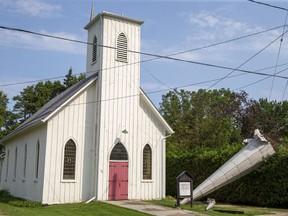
x: 93, y: 208
x: 200, y: 208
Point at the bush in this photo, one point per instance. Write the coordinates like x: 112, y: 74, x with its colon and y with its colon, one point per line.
x: 266, y: 186
x: 6, y: 197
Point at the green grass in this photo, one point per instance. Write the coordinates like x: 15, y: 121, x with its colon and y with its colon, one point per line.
x: 13, y: 206
x: 200, y: 208
x: 93, y: 208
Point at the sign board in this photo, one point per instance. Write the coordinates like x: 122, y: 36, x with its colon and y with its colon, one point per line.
x: 184, y: 187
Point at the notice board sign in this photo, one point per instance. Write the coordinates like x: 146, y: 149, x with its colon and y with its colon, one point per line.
x: 184, y: 187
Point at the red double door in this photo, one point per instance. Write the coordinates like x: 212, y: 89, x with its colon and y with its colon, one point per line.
x: 118, y: 181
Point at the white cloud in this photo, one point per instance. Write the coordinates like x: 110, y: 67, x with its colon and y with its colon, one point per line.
x: 35, y: 8
x: 216, y: 24
x: 29, y: 41
x: 208, y: 28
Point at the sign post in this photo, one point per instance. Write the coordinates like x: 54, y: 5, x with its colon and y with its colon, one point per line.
x: 184, y: 187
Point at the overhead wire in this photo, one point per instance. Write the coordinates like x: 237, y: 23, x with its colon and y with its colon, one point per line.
x: 153, y: 92
x: 258, y: 81
x: 249, y: 59
x: 278, y: 56
x: 269, y: 5
x: 155, y: 56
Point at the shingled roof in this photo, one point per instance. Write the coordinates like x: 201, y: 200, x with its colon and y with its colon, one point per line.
x: 52, y: 106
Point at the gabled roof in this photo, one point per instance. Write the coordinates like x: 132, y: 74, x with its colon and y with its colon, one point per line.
x: 156, y: 112
x: 53, y: 106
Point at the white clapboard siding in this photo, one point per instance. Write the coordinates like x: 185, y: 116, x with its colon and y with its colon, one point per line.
x: 29, y: 187
x: 93, y: 113
x: 75, y: 121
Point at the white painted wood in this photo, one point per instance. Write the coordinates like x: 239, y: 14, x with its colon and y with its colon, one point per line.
x: 94, y: 118
x: 75, y: 122
x: 29, y: 188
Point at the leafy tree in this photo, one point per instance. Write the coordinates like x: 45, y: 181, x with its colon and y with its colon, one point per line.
x: 204, y: 118
x: 70, y: 79
x: 270, y: 117
x: 32, y: 98
x: 7, y: 118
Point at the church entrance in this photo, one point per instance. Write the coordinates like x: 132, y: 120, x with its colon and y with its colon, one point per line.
x: 118, y: 173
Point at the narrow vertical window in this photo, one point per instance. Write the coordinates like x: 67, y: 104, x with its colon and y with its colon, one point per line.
x: 7, y: 166
x: 37, y: 160
x: 94, y: 49
x: 122, y: 48
x: 69, y: 160
x: 25, y: 161
x: 1, y: 166
x: 147, y: 162
x: 15, y: 163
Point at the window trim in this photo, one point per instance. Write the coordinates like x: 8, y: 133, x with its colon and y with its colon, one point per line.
x: 25, y: 162
x: 75, y: 165
x: 37, y: 160
x: 7, y: 166
x: 94, y: 49
x: 151, y: 164
x: 122, y: 47
x: 118, y: 160
x: 15, y: 164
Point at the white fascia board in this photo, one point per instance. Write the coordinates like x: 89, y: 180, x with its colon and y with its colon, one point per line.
x: 156, y: 112
x: 69, y: 100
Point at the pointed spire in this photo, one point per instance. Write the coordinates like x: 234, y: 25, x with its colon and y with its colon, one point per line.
x: 92, y: 11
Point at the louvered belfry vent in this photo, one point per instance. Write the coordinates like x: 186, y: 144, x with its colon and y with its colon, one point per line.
x: 122, y: 47
x: 94, y: 52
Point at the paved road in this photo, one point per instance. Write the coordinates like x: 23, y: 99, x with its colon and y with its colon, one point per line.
x: 153, y: 209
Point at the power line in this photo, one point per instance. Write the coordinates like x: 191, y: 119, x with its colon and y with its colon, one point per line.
x: 156, y: 56
x: 253, y: 83
x: 278, y: 56
x: 269, y: 5
x: 181, y: 52
x: 249, y: 59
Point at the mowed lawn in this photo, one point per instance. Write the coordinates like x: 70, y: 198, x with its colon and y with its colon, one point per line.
x: 93, y: 208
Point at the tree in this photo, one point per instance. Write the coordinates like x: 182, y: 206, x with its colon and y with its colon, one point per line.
x: 70, y: 79
x: 7, y: 118
x: 32, y: 98
x: 203, y: 118
x: 269, y: 117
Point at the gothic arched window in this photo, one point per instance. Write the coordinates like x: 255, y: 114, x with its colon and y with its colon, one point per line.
x: 122, y: 48
x: 69, y: 160
x: 37, y: 159
x: 147, y: 162
x: 119, y: 152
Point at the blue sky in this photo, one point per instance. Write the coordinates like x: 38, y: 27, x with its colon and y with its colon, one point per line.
x: 169, y: 27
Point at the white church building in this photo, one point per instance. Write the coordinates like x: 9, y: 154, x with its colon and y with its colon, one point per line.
x: 101, y: 139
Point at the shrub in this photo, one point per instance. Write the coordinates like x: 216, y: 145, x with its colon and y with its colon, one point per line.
x: 6, y: 197
x: 266, y: 186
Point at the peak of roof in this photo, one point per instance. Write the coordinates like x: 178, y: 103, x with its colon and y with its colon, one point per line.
x: 50, y: 107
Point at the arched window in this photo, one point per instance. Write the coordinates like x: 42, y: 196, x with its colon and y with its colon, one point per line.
x: 122, y: 48
x: 69, y: 160
x: 15, y: 163
x: 25, y: 161
x: 147, y: 162
x: 119, y: 152
x: 37, y: 159
x: 7, y: 165
x: 94, y: 49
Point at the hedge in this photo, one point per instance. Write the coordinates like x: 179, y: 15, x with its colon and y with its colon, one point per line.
x: 266, y: 186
